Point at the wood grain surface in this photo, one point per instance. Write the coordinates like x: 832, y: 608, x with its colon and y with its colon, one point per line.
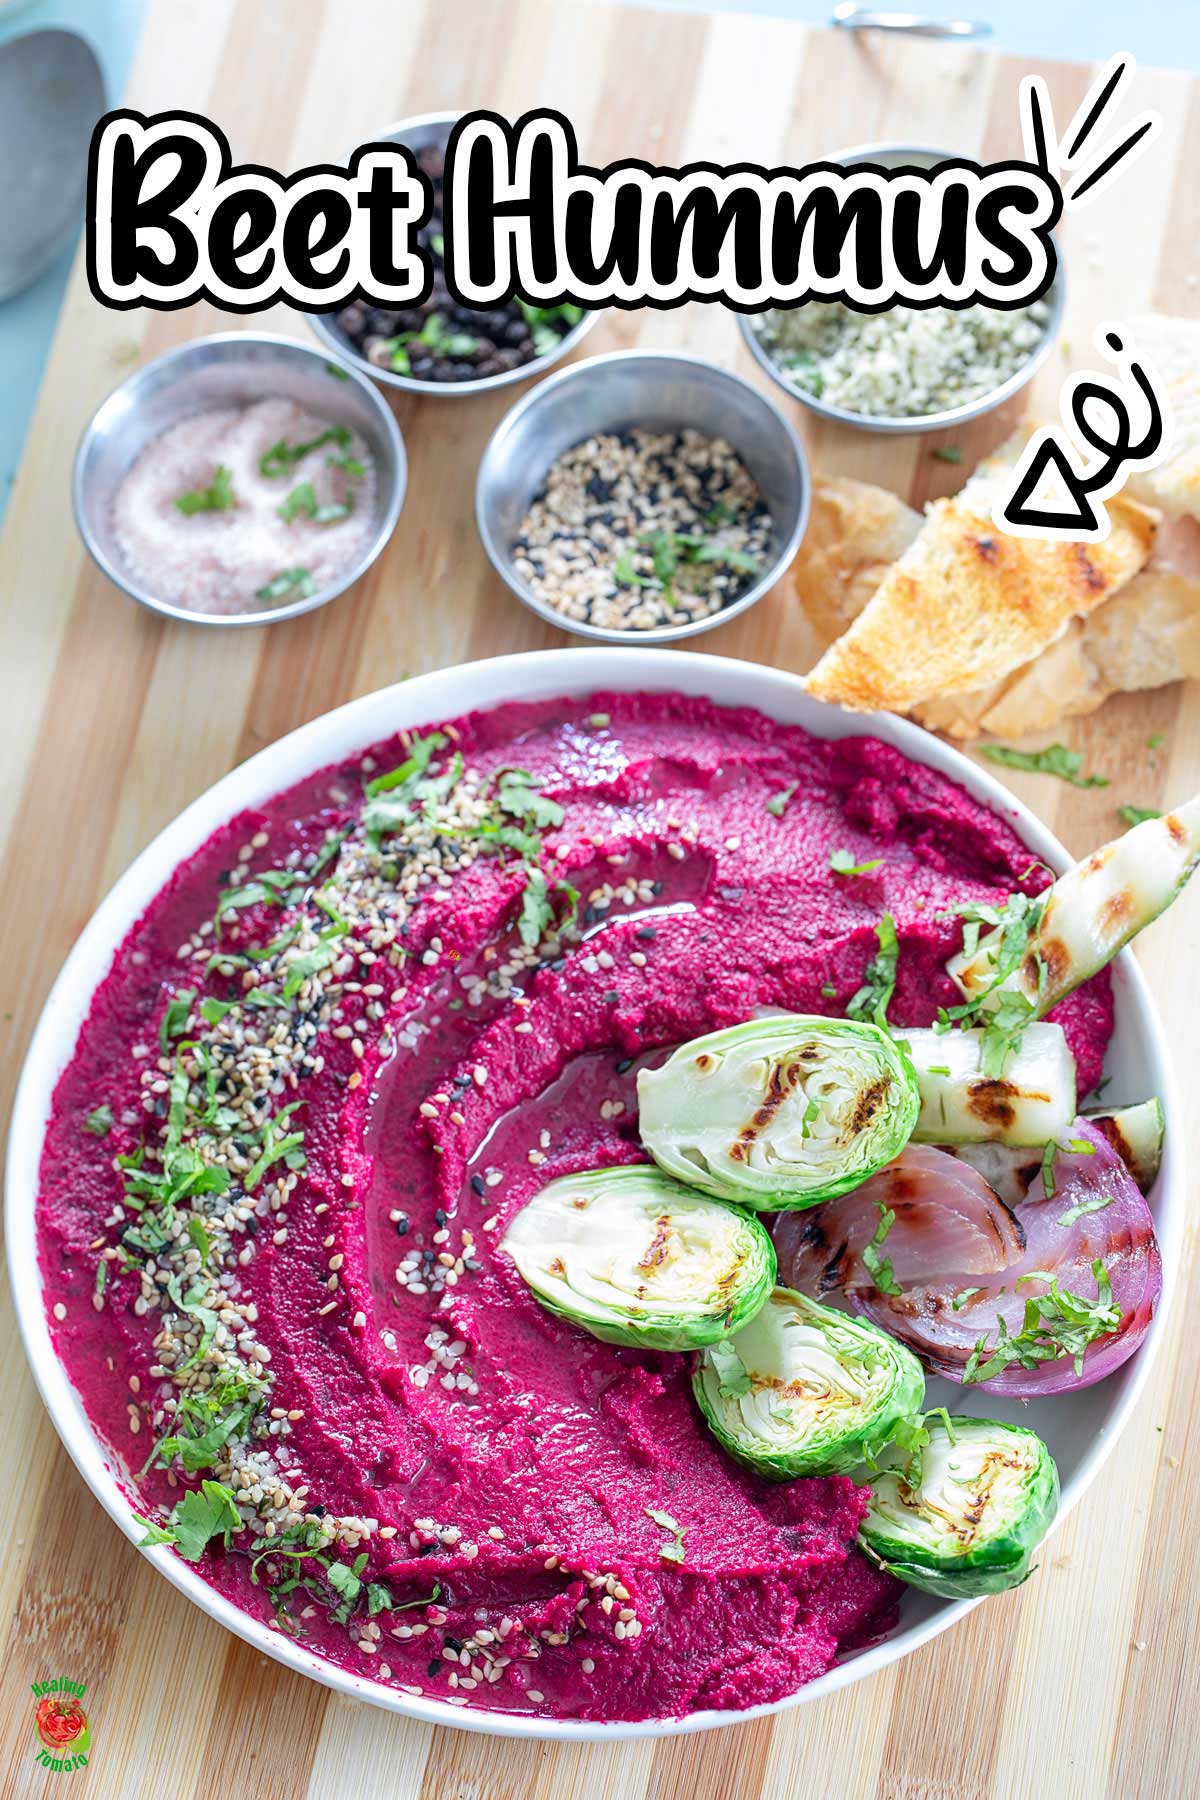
x: 1084, y: 1682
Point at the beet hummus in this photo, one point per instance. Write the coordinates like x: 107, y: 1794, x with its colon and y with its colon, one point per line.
x: 358, y: 1030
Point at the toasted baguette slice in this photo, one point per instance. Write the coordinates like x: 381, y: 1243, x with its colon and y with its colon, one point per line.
x: 1144, y: 637
x: 966, y: 604
x: 855, y: 532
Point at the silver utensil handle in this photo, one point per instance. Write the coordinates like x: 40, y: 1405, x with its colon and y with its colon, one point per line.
x: 860, y: 18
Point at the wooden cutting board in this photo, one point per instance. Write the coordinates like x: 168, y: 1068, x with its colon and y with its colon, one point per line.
x: 1084, y: 1683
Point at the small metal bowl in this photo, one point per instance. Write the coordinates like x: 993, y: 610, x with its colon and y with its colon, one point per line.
x: 657, y: 390
x: 232, y: 368
x: 895, y: 156
x: 418, y: 134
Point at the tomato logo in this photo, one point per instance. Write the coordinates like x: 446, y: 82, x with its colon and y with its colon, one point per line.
x: 62, y: 1723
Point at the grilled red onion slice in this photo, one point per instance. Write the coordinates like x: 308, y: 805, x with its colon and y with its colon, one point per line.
x: 948, y: 1221
x: 1095, y: 1213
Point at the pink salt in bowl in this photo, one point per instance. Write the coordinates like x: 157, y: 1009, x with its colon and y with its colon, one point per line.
x: 231, y: 370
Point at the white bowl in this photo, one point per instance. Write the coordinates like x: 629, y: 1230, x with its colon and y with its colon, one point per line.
x: 1080, y: 1428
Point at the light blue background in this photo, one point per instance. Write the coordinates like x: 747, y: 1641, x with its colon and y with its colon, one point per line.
x: 1163, y: 32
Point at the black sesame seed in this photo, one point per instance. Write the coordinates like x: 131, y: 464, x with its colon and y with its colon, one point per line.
x: 433, y: 1666
x: 440, y: 1215
x: 647, y: 933
x: 477, y: 1185
x: 624, y: 1066
x: 402, y: 1225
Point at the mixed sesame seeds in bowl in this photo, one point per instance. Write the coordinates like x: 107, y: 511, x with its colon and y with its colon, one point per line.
x: 912, y: 368
x: 643, y: 496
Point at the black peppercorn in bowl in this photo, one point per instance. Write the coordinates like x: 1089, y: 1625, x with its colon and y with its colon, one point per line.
x: 441, y: 347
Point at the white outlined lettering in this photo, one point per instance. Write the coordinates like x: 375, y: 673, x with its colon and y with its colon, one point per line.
x: 171, y: 220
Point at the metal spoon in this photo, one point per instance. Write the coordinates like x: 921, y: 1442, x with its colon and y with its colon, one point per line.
x: 51, y: 95
x: 862, y: 18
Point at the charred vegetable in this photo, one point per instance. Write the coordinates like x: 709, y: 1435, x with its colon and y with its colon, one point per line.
x: 907, y: 1224
x: 781, y: 1112
x: 802, y: 1390
x: 1072, y: 1308
x: 1089, y: 914
x: 965, y: 1513
x: 1028, y: 1103
x: 1136, y: 1134
x: 635, y: 1258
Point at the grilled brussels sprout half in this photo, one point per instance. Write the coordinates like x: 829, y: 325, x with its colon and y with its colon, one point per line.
x: 635, y: 1258
x: 803, y: 1390
x: 966, y: 1513
x: 781, y: 1112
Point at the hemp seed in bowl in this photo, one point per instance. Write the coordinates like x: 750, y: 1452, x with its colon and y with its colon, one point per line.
x: 901, y: 364
x: 635, y: 529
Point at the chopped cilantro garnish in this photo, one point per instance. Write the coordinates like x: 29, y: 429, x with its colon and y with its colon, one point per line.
x: 267, y: 889
x: 537, y: 907
x: 204, y: 1513
x: 548, y: 325
x: 350, y: 465
x: 276, y: 1148
x: 288, y: 581
x: 947, y: 453
x: 625, y: 571
x: 435, y: 335
x: 213, y: 1011
x: 879, y: 1268
x: 1137, y: 815
x: 217, y: 497
x: 910, y: 1438
x: 1056, y: 759
x: 302, y: 499
x: 100, y: 1122
x: 778, y: 803
x: 1048, y: 1156
x: 284, y: 456
x: 879, y: 981
x: 391, y: 797
x: 174, y: 1021
x: 733, y: 1377
x: 673, y: 1552
x: 1083, y: 1207
x: 521, y: 797
x: 1056, y: 1324
x: 1002, y: 1015
x: 842, y: 863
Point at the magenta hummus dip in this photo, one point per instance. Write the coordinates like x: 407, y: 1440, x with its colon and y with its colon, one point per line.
x: 338, y: 1054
